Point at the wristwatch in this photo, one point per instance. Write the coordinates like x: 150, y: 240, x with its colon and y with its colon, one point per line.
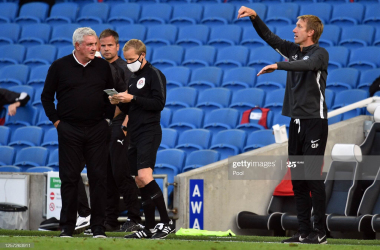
x: 124, y: 128
x: 134, y: 98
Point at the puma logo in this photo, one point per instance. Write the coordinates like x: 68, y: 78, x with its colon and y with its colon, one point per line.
x: 121, y: 141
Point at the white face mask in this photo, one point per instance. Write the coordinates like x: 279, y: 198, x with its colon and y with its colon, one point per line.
x: 134, y: 66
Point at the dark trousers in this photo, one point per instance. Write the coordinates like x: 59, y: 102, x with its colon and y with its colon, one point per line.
x: 84, y: 209
x: 75, y: 145
x: 119, y: 179
x: 307, y: 143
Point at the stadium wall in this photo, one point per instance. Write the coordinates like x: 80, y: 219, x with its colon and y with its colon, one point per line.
x: 224, y: 198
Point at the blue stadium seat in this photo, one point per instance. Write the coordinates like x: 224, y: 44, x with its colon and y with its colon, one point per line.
x: 274, y: 100
x: 186, y: 14
x: 13, y: 75
x: 321, y: 10
x: 281, y: 120
x: 166, y: 117
x: 229, y: 143
x: 239, y: 78
x: 176, y: 77
x: 187, y: 118
x: 22, y: 88
x: 9, y: 33
x: 260, y: 8
x: 5, y: 134
x: 63, y: 13
x: 31, y: 157
x: 27, y: 136
x: 367, y: 77
x: 357, y: 36
x: 39, y: 170
x: 376, y: 41
x: 214, y: 98
x: 347, y: 14
x: 160, y: 35
x: 184, y: 97
x: 93, y: 13
x: 206, y: 77
x: 247, y: 98
x: 347, y: 97
x: 259, y: 139
x: 167, y: 56
x: 35, y: 34
x: 62, y: 35
x: 251, y: 39
x: 282, y: 14
x: 330, y: 35
x: 38, y: 75
x: 169, y: 138
x: 272, y: 81
x: 254, y: 119
x: 225, y: 35
x: 338, y: 57
x: 25, y: 116
x: 42, y: 120
x: 64, y: 51
x: 221, y: 119
x: 8, y: 12
x: 123, y: 14
x: 198, y: 57
x: 50, y: 140
x: 286, y: 32
x: 231, y: 57
x: 53, y: 160
x: 98, y: 28
x: 173, y: 159
x: 143, y: 2
x: 6, y: 155
x: 263, y: 56
x: 365, y: 58
x: 11, y: 54
x: 193, y: 35
x: 200, y: 158
x: 372, y: 15
x: 153, y: 14
x: 329, y: 98
x: 193, y: 140
x: 9, y: 168
x: 342, y: 79
x: 32, y: 13
x: 128, y: 32
x: 40, y: 55
x: 219, y: 14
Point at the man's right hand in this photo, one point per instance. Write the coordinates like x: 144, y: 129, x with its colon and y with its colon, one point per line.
x: 246, y: 12
x: 56, y: 123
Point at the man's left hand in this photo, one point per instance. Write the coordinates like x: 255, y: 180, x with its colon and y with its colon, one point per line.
x: 268, y: 69
x: 12, y: 108
x: 123, y: 97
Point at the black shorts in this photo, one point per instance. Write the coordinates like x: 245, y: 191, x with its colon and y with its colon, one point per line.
x: 142, y: 152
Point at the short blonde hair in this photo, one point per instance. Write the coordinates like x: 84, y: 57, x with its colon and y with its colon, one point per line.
x: 136, y: 44
x: 313, y: 23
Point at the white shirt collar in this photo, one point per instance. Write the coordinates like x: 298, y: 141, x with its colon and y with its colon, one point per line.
x: 78, y: 61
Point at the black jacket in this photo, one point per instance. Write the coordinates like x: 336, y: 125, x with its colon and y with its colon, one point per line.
x: 306, y: 77
x: 149, y: 87
x: 9, y: 97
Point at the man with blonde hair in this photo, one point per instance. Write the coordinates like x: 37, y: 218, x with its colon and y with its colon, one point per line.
x: 78, y: 80
x: 143, y: 103
x: 304, y: 103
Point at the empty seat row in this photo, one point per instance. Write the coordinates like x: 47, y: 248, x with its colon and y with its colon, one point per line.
x: 215, y: 14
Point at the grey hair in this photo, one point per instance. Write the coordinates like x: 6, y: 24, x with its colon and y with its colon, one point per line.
x: 80, y: 33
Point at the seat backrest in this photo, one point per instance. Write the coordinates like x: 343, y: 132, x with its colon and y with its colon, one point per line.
x: 128, y: 32
x: 69, y: 10
x: 235, y: 137
x: 338, y: 54
x: 370, y: 203
x: 174, y: 157
x: 252, y: 96
x: 366, y: 54
x: 163, y: 31
x: 226, y: 116
x: 370, y: 147
x: 36, y: 155
x: 220, y: 96
x: 188, y: 115
x: 160, y: 10
x: 37, y: 30
x: 193, y: 11
x: 329, y: 98
x: 198, y: 32
x: 350, y: 96
x: 173, y: 53
x: 166, y: 117
x: 36, y: 9
x: 51, y: 135
x: 5, y: 133
x: 39, y: 73
x: 235, y: 53
x: 331, y: 33
x: 98, y: 28
x: 64, y: 30
x: 202, y: 157
x: 99, y: 10
x: 6, y: 155
x: 278, y: 77
x: 286, y: 32
x: 18, y: 72
x: 369, y: 76
x: 200, y: 137
x: 30, y: 134
x: 240, y: 74
x: 344, y: 75
x: 276, y: 96
x: 8, y: 11
x: 22, y: 88
x: 352, y: 10
x: 203, y: 53
x: 46, y: 52
x: 284, y: 10
x: 321, y: 10
x: 226, y: 11
x: 130, y: 10
x: 261, y: 138
x: 179, y: 75
x: 209, y: 74
x: 10, y: 30
x: 169, y: 137
x: 14, y: 51
x: 185, y: 95
x: 228, y: 32
x: 365, y: 33
x: 25, y: 115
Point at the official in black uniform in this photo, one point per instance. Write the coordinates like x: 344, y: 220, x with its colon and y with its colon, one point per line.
x: 143, y: 103
x: 78, y: 80
x: 119, y: 179
x: 305, y: 103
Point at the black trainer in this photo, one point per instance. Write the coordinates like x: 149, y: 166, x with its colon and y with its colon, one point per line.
x: 140, y: 234
x: 297, y: 238
x: 316, y: 237
x: 66, y: 234
x: 130, y: 226
x: 163, y: 229
x: 98, y: 232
